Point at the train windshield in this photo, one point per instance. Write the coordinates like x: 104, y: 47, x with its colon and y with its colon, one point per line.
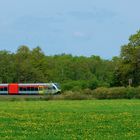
x: 57, y: 85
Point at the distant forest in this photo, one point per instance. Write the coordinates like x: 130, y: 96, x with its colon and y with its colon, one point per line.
x: 72, y: 72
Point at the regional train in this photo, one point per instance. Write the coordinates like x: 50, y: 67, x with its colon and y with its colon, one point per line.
x: 29, y: 89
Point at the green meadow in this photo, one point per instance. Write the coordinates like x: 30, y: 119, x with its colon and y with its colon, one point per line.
x: 70, y: 120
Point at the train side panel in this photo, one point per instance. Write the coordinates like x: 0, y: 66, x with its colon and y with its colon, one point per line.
x: 3, y: 89
x: 13, y: 89
x: 31, y: 89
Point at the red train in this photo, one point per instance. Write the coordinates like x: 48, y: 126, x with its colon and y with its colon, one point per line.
x: 29, y: 89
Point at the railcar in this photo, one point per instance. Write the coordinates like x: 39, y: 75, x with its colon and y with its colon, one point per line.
x: 29, y: 89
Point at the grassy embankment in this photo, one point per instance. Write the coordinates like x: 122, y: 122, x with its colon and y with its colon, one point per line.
x: 90, y: 119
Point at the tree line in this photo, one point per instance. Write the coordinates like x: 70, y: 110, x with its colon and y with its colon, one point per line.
x: 72, y: 72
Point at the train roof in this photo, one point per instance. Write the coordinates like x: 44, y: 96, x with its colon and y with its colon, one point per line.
x: 34, y: 84
x: 26, y: 84
x: 4, y: 84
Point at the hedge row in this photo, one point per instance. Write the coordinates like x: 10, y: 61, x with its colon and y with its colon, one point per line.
x: 117, y: 93
x: 105, y: 93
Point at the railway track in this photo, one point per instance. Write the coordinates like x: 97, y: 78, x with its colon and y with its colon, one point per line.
x: 16, y: 97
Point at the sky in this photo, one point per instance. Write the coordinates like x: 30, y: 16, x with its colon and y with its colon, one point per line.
x: 77, y: 27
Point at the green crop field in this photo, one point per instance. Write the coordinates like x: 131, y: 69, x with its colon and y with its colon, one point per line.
x: 70, y: 120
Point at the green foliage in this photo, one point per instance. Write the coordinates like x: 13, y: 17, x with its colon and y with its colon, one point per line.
x: 116, y: 93
x: 93, y: 83
x: 72, y: 72
x: 74, y: 85
x: 129, y: 66
x: 104, y: 93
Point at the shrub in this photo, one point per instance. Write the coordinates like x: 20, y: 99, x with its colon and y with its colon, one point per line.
x: 75, y: 95
x: 100, y: 93
x: 93, y: 84
x: 116, y: 93
x: 74, y: 85
x: 136, y: 93
x: 87, y: 91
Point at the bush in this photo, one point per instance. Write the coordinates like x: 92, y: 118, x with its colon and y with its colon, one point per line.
x: 74, y: 85
x: 92, y: 84
x: 133, y: 92
x: 87, y: 91
x: 116, y: 93
x: 104, y: 93
x: 100, y: 93
x: 83, y: 84
x: 73, y: 95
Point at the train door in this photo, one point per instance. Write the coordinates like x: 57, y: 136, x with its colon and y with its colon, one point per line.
x: 41, y: 90
x: 51, y: 89
x: 13, y: 89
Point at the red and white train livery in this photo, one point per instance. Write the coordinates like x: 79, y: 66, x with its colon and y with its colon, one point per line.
x: 29, y: 89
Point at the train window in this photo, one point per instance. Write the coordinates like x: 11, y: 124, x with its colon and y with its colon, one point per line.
x: 1, y: 89
x: 41, y: 88
x: 28, y: 88
x: 32, y: 89
x: 24, y: 89
x: 36, y: 89
x: 50, y: 87
x: 21, y: 89
x: 5, y: 88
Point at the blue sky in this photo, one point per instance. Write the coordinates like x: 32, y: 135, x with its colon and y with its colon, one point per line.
x: 78, y: 27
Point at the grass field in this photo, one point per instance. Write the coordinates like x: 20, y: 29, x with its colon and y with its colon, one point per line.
x: 70, y: 120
